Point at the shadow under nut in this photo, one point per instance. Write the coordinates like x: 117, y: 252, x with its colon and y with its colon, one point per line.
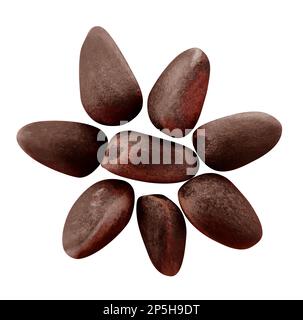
x: 163, y: 231
x: 220, y: 211
x: 109, y: 91
x: 97, y: 217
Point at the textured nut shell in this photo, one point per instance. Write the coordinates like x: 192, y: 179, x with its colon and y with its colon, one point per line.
x: 109, y: 91
x: 234, y: 141
x: 68, y: 147
x: 220, y: 211
x: 121, y: 162
x: 163, y: 231
x: 97, y: 217
x: 176, y: 100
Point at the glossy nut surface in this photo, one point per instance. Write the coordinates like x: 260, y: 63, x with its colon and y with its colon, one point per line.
x: 176, y: 100
x: 163, y: 231
x: 68, y: 147
x: 220, y: 211
x: 109, y: 91
x: 234, y: 141
x: 97, y: 217
x: 146, y: 158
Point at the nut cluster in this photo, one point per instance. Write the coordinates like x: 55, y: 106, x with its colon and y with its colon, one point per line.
x: 111, y: 95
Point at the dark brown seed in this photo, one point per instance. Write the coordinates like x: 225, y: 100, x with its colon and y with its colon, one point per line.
x: 163, y: 231
x: 220, y: 211
x: 234, y: 141
x: 142, y: 157
x: 68, y: 147
x: 176, y: 100
x: 109, y: 91
x: 97, y: 217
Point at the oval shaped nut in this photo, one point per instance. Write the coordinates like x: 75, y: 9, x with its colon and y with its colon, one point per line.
x: 163, y: 231
x: 176, y: 100
x: 68, y: 147
x: 146, y: 158
x: 231, y: 142
x: 97, y: 217
x: 220, y: 211
x: 110, y: 93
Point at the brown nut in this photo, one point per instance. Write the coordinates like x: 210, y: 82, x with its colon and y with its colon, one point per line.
x: 220, y: 211
x: 68, y: 147
x: 146, y: 158
x: 234, y: 141
x: 97, y: 217
x: 176, y: 100
x: 163, y: 231
x: 109, y: 91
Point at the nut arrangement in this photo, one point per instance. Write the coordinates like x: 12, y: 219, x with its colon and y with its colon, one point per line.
x: 111, y: 95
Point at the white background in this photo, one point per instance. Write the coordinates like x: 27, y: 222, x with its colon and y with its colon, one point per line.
x: 256, y: 54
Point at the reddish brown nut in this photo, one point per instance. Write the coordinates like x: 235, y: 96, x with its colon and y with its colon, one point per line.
x: 176, y: 100
x: 234, y: 141
x: 220, y: 211
x: 68, y: 147
x: 163, y: 231
x: 97, y: 217
x: 142, y: 157
x: 109, y: 91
